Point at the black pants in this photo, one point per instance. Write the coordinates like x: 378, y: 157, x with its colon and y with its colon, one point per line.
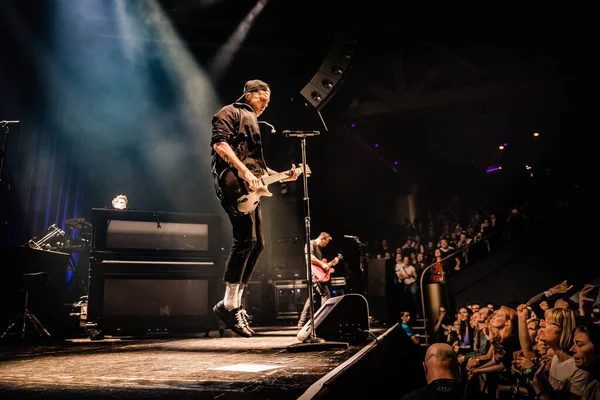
x: 319, y: 289
x: 248, y: 243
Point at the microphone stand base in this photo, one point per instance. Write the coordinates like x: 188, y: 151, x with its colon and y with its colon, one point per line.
x: 315, y: 344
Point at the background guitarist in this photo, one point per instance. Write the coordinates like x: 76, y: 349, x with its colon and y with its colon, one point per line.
x: 237, y: 149
x: 319, y: 288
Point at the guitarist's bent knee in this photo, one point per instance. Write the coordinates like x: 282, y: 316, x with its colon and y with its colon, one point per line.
x: 248, y: 244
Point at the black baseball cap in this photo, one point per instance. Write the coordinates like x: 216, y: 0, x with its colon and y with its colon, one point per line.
x: 254, y: 85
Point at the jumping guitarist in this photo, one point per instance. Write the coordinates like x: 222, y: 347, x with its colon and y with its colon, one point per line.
x: 237, y: 156
x: 319, y: 287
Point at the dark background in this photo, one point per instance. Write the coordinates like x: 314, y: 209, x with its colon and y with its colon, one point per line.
x: 437, y: 94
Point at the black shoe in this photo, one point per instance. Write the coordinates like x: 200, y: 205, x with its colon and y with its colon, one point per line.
x: 234, y: 319
x: 245, y: 315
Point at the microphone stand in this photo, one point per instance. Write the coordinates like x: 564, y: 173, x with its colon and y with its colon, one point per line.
x: 363, y: 270
x: 312, y: 342
x: 361, y: 263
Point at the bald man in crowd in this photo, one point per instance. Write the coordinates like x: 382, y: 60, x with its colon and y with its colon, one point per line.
x: 442, y: 374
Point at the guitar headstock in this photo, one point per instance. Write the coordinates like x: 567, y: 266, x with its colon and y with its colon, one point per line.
x: 306, y: 170
x: 338, y: 258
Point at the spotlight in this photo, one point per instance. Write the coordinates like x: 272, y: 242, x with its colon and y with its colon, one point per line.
x: 316, y: 96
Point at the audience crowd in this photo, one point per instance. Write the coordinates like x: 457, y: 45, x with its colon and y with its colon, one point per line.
x: 544, y: 346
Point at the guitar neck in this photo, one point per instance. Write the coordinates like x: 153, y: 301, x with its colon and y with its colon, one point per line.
x: 267, y: 180
x: 335, y: 260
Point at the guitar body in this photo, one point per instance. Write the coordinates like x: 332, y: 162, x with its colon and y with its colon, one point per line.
x: 237, y: 196
x: 248, y: 202
x: 322, y: 275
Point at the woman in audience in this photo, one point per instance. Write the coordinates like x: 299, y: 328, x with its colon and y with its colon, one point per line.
x: 437, y: 271
x: 465, y: 344
x: 481, y: 345
x: 503, y: 336
x: 586, y: 353
x: 526, y: 357
x: 559, y: 378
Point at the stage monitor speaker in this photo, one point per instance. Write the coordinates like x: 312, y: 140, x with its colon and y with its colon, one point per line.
x: 376, y: 277
x: 340, y: 319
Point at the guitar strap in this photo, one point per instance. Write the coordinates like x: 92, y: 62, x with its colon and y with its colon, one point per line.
x: 317, y: 285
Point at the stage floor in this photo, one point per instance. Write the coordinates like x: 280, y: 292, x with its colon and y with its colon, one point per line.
x: 199, y: 367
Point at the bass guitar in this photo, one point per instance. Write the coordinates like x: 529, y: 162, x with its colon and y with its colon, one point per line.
x: 237, y: 195
x: 324, y: 274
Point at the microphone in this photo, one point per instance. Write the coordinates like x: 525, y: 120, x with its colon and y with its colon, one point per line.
x: 269, y: 125
x: 301, y: 133
x: 9, y: 122
x: 351, y: 237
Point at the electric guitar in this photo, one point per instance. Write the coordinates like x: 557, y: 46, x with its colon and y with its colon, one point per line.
x: 236, y: 193
x: 324, y: 274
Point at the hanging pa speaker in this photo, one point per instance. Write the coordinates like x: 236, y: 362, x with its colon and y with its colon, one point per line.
x: 340, y: 319
x: 329, y: 77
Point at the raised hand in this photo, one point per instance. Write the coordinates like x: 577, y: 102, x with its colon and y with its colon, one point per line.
x: 587, y: 298
x: 588, y: 293
x: 562, y: 287
x: 523, y: 311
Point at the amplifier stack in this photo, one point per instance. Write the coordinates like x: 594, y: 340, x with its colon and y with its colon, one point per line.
x: 152, y: 272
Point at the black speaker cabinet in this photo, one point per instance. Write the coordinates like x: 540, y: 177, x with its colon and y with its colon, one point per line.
x: 152, y: 271
x: 341, y: 319
x: 376, y: 278
x: 259, y: 302
x: 140, y: 297
x: 137, y: 235
x: 290, y: 296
